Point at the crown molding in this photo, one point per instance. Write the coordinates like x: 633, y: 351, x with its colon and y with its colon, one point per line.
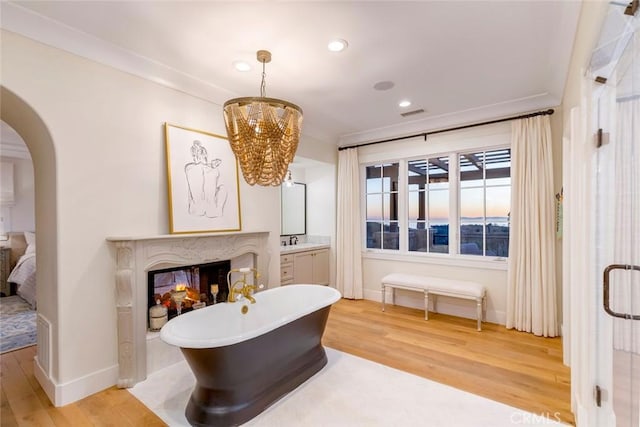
x: 32, y: 25
x: 53, y: 33
x: 458, y: 118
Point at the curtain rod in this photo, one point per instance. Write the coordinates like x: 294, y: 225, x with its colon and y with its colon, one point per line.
x: 424, y: 134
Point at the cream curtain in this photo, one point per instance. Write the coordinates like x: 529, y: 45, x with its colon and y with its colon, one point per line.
x: 531, y: 288
x: 349, y: 241
x: 625, y: 285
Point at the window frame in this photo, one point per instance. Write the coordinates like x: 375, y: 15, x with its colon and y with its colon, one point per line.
x: 484, y: 187
x: 364, y: 203
x: 453, y: 257
x: 427, y: 219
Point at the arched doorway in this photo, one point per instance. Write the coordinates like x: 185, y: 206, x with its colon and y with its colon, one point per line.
x: 28, y: 124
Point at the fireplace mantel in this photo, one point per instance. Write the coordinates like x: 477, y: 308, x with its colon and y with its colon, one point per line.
x: 135, y: 256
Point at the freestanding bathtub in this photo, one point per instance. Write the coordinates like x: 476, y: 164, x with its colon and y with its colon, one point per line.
x: 245, y: 362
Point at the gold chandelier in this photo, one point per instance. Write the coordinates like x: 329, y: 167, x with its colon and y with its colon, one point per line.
x: 263, y: 133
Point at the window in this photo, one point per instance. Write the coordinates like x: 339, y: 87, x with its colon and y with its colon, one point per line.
x: 428, y: 193
x: 454, y: 203
x: 382, y: 206
x: 485, y: 197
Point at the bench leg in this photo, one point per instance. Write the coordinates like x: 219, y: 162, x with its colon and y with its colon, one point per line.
x: 383, y: 295
x: 479, y: 312
x: 484, y: 307
x: 426, y: 305
x: 393, y: 295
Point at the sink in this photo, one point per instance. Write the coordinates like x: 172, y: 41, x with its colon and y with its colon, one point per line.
x: 302, y: 246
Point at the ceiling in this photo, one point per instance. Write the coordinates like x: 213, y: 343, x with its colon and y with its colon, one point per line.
x: 460, y: 61
x: 11, y: 144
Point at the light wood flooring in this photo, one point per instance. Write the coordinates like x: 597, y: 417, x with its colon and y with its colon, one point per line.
x: 24, y: 403
x: 515, y: 368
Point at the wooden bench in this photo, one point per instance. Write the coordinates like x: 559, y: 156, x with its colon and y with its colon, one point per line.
x: 436, y: 286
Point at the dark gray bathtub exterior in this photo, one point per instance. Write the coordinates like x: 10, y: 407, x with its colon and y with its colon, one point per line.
x: 234, y: 383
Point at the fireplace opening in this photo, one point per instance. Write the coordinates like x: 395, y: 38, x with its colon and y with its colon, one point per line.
x: 199, y: 284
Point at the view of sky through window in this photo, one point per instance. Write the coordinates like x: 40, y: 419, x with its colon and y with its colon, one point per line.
x: 483, y: 189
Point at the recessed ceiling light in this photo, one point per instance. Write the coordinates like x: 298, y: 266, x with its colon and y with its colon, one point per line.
x: 404, y: 103
x: 337, y: 45
x: 241, y: 65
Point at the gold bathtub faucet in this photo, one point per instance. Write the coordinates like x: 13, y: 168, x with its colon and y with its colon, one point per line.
x: 233, y: 291
x: 246, y: 290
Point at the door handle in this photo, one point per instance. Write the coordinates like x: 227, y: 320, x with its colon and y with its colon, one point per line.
x: 605, y: 283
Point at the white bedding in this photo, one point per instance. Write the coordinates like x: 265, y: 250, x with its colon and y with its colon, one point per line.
x: 24, y: 275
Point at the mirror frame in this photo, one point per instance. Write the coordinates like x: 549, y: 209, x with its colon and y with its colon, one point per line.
x: 300, y: 217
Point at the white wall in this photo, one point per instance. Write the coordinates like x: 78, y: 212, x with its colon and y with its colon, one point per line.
x: 321, y: 200
x: 22, y: 213
x: 320, y: 179
x: 314, y: 149
x: 580, y: 301
x: 107, y: 132
x: 492, y: 274
x: 321, y: 207
x: 556, y: 135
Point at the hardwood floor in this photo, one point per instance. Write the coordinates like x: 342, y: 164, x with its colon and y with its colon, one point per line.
x: 24, y: 403
x: 507, y: 366
x: 515, y: 368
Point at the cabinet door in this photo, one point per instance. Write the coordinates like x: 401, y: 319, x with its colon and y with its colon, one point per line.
x: 286, y: 274
x: 321, y: 267
x: 286, y: 269
x: 303, y: 268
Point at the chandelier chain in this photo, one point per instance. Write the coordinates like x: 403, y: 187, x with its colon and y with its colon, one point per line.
x: 263, y: 88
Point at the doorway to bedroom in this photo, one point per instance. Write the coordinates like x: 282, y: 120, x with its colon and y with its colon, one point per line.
x: 17, y: 243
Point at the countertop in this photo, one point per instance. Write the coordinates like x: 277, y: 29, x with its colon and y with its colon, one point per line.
x: 301, y: 247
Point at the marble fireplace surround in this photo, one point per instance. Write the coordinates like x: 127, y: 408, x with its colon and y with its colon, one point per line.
x: 136, y: 256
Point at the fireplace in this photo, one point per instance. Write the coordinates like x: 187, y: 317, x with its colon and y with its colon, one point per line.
x: 205, y: 284
x: 141, y: 352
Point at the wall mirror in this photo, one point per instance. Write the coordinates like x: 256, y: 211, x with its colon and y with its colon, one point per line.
x: 293, y: 215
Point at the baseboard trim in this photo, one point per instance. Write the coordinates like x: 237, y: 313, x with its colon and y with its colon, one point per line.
x: 45, y: 382
x: 72, y: 391
x: 582, y: 415
x: 452, y: 306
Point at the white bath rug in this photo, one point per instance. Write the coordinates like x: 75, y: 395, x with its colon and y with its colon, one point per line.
x: 350, y: 392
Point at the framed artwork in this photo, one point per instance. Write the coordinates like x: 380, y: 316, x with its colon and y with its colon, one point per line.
x: 202, y: 175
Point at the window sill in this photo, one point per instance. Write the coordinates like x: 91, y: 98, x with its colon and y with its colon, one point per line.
x: 488, y: 263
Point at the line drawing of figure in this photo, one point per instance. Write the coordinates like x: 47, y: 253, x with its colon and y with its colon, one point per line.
x: 207, y: 196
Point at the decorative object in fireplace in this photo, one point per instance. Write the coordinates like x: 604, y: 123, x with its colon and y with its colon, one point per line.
x: 182, y: 289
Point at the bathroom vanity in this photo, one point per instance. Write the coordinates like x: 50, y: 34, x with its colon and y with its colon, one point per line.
x: 306, y: 263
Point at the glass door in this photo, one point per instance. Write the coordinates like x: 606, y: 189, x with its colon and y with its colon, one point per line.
x: 616, y: 67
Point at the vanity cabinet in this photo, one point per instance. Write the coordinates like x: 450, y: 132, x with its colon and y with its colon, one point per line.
x: 305, y: 267
x: 286, y: 269
x: 311, y: 267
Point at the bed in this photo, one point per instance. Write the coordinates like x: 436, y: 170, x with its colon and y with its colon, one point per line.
x: 23, y: 272
x: 17, y: 312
